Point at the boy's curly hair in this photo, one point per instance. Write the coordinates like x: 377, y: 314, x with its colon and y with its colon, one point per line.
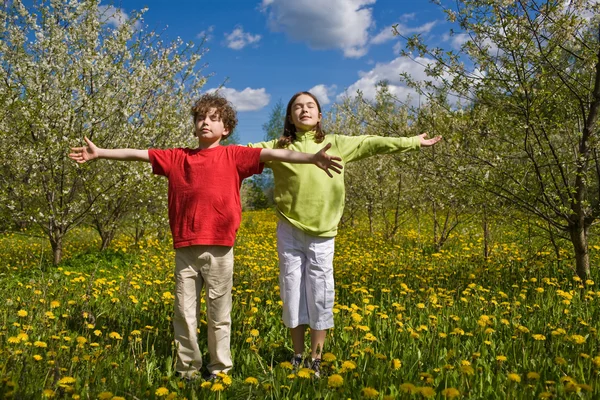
x: 223, y: 107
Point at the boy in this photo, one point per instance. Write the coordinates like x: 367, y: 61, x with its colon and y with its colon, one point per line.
x: 204, y: 215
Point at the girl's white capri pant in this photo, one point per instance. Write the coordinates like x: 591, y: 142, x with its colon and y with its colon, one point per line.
x: 305, y: 277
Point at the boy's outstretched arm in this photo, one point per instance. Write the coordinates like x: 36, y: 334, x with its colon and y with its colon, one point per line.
x: 428, y: 142
x: 321, y: 159
x: 91, y: 151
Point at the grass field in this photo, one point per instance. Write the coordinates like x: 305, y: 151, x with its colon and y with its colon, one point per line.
x: 410, y: 323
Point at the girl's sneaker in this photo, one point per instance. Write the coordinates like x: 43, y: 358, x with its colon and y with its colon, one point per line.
x: 316, y: 367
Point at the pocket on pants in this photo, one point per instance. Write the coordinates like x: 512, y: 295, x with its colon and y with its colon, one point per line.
x: 325, y: 293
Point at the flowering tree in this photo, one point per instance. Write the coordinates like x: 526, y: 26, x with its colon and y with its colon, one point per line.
x: 532, y: 70
x: 67, y: 70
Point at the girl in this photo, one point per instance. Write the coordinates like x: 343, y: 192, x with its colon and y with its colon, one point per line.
x: 310, y: 207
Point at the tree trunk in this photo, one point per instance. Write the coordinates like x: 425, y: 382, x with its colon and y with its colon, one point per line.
x: 107, y: 237
x: 579, y: 238
x: 57, y: 248
x: 486, y: 235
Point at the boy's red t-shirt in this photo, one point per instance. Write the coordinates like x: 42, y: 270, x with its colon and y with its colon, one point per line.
x: 204, y: 191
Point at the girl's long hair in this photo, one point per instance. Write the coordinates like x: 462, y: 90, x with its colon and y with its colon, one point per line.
x: 289, y: 129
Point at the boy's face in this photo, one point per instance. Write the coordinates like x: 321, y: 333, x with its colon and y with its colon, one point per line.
x: 305, y: 113
x: 210, y: 129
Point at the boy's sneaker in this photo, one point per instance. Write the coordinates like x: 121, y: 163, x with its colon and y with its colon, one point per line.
x: 316, y: 367
x: 296, y: 361
x: 209, y: 376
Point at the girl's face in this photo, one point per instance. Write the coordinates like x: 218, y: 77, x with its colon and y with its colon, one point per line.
x: 305, y: 113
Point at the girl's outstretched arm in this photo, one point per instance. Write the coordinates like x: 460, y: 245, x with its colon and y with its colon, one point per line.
x: 91, y: 151
x: 321, y: 159
x: 428, y: 142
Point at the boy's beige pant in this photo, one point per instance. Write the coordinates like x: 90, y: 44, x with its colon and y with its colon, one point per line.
x: 210, y: 267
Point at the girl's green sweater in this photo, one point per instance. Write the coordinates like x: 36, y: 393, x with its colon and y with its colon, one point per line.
x: 309, y: 199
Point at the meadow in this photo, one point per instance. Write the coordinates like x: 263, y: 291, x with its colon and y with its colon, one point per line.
x: 410, y: 322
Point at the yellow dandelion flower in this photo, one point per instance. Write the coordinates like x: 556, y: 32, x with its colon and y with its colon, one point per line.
x: 206, y: 385
x: 37, y: 357
x: 420, y: 305
x: 545, y: 395
x: 408, y: 388
x: 98, y: 332
x: 48, y: 393
x: 305, y: 373
x: 501, y: 358
x: 396, y: 364
x: 226, y: 380
x: 161, y: 391
x: 335, y: 381
x: 329, y: 357
x: 533, y: 375
x: 348, y: 365
x: 81, y: 340
x: 571, y: 387
x: 105, y: 396
x: 22, y: 313
x: 370, y: 393
x: 286, y: 365
x: 560, y: 361
x: 54, y: 304
x: 537, y: 336
x: 370, y: 337
x: 427, y: 391
x: 450, y: 393
x: 559, y: 331
x: 38, y: 343
x: 251, y: 380
x: 14, y: 339
x: 115, y: 335
x: 596, y: 361
x: 578, y: 339
x: 67, y: 380
x: 586, y: 387
x: 514, y: 377
x: 217, y: 387
x: 254, y: 332
x: 467, y: 370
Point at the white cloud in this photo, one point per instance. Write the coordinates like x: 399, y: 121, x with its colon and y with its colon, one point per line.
x: 238, y: 39
x: 206, y: 34
x: 323, y: 93
x: 456, y: 40
x: 390, y: 72
x: 246, y: 100
x: 387, y: 33
x: 342, y: 24
x: 113, y: 16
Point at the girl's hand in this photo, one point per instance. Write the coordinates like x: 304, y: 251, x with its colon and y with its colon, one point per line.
x: 428, y: 142
x: 83, y: 154
x: 327, y: 162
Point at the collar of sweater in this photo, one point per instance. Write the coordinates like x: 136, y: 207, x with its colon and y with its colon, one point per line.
x: 305, y: 134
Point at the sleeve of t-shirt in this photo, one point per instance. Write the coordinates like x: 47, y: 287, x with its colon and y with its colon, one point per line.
x: 248, y: 161
x: 271, y: 144
x: 162, y: 160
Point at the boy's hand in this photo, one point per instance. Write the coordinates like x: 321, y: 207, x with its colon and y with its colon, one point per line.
x: 327, y: 162
x: 428, y: 142
x: 83, y: 154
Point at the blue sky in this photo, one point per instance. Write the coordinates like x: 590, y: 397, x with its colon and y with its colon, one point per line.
x: 267, y: 50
